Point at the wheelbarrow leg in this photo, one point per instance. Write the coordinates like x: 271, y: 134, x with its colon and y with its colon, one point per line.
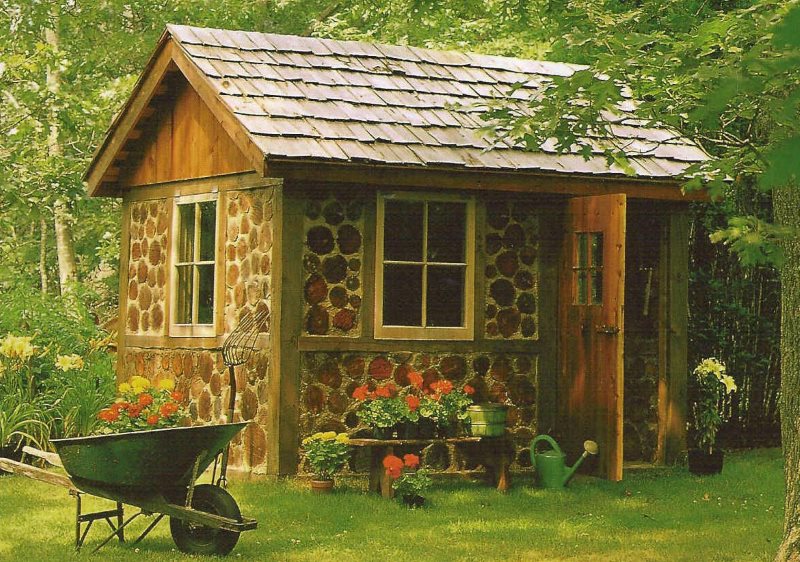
x: 117, y: 531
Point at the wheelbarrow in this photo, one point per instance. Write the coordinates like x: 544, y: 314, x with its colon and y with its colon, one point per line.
x: 156, y: 471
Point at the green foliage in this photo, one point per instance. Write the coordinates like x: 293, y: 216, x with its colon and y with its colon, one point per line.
x: 413, y: 483
x: 63, y: 401
x: 21, y: 421
x: 382, y: 412
x: 756, y: 241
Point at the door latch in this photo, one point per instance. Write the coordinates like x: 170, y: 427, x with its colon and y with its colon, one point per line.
x: 605, y: 329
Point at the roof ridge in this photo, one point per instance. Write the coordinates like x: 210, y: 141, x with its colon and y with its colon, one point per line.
x: 391, y: 51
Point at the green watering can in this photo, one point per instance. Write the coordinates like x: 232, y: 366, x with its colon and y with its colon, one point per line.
x: 551, y: 469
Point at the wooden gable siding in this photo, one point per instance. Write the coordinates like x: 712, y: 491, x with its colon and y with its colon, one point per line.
x: 184, y: 141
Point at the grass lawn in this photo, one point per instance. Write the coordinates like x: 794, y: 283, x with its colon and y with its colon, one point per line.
x: 662, y: 514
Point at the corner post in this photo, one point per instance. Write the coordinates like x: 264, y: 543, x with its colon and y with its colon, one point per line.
x: 286, y: 291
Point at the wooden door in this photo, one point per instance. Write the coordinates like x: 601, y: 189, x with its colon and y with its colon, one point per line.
x: 591, y: 295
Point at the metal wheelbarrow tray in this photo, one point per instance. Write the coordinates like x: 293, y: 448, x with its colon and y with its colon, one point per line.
x: 155, y: 471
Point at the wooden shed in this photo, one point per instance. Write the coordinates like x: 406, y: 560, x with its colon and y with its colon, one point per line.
x: 344, y: 186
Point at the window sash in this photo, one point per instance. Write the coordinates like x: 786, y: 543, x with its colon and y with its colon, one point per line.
x: 194, y: 266
x: 424, y: 330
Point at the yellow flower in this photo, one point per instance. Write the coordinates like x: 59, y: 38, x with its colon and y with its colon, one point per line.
x: 17, y: 347
x: 139, y: 384
x: 342, y: 438
x: 69, y: 362
x: 329, y: 435
x: 317, y: 435
x: 730, y: 385
x: 166, y: 384
x: 125, y: 388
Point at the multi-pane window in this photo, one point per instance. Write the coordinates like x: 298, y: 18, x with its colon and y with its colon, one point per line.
x: 424, y: 267
x: 194, y: 262
x: 588, y: 268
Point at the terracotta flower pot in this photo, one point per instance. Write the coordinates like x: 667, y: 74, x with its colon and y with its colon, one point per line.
x: 703, y: 463
x: 322, y: 486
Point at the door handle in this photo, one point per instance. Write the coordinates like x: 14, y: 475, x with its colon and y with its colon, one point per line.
x: 605, y: 329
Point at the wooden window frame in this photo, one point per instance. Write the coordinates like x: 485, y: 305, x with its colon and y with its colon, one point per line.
x: 461, y: 333
x: 194, y: 329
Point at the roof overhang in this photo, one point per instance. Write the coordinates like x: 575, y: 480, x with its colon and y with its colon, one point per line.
x: 572, y: 184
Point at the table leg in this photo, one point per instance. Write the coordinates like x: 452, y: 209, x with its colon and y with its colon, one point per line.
x: 375, y: 469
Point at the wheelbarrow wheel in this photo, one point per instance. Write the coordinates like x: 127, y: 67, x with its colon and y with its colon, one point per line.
x: 200, y: 539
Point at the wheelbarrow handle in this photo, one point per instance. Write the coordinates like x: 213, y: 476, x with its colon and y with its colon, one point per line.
x: 547, y: 439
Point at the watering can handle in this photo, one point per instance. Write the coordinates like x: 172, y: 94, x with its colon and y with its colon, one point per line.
x: 547, y: 439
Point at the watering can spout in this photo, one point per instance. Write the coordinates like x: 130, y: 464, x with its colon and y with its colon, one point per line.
x: 589, y: 448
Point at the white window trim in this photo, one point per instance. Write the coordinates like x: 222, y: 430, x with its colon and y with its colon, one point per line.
x: 462, y: 333
x: 192, y: 330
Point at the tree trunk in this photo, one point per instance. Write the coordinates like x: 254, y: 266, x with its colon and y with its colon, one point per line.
x: 65, y: 250
x: 787, y: 212
x: 43, y: 254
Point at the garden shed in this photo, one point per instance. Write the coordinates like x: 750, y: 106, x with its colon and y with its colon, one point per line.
x: 344, y: 186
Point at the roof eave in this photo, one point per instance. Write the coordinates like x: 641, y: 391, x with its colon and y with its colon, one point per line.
x: 459, y: 177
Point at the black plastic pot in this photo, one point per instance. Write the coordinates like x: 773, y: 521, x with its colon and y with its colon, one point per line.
x: 413, y: 501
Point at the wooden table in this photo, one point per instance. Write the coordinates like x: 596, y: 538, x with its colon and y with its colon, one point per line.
x: 494, y: 455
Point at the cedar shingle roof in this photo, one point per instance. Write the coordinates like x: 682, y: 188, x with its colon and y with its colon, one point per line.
x: 320, y: 99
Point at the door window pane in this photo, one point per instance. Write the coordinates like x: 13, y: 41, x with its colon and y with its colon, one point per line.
x: 402, y: 295
x: 597, y: 250
x: 446, y: 232
x: 403, y: 230
x: 582, y: 288
x: 445, y: 296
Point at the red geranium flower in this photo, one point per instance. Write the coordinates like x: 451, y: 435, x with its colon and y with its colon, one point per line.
x: 411, y: 461
x: 152, y: 420
x: 145, y: 400
x: 361, y: 393
x: 393, y: 466
x: 168, y: 409
x: 468, y: 389
x: 442, y: 387
x: 177, y: 396
x: 415, y: 379
x: 384, y: 391
x: 413, y: 403
x: 134, y: 410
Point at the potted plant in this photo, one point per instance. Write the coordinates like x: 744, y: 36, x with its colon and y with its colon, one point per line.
x: 142, y: 405
x: 382, y: 409
x: 409, y: 481
x: 446, y: 405
x: 326, y: 453
x: 711, y: 386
